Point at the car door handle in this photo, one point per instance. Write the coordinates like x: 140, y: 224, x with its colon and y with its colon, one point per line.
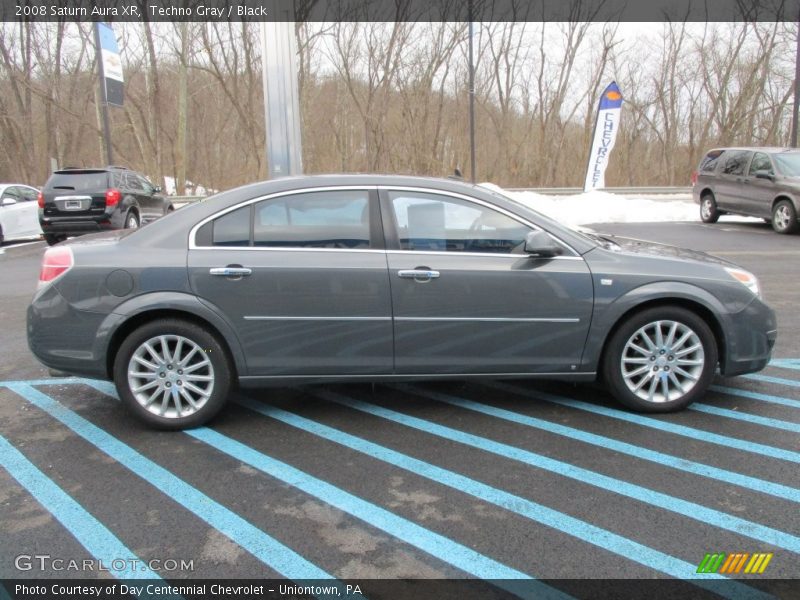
x: 231, y: 271
x: 418, y: 274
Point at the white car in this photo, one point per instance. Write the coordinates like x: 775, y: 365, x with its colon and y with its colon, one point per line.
x: 19, y: 212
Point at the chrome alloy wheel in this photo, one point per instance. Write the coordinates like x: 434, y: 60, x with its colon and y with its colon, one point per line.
x: 782, y: 218
x: 706, y: 208
x: 170, y: 376
x: 662, y: 361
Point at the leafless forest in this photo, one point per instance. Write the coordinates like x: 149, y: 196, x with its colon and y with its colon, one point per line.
x: 393, y: 97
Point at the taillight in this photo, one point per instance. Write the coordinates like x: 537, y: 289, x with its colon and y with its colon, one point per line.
x: 113, y: 196
x: 694, y: 177
x: 40, y: 200
x: 56, y: 261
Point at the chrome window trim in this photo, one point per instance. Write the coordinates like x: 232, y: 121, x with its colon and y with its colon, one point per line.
x: 193, y: 231
x: 485, y: 254
x: 488, y: 205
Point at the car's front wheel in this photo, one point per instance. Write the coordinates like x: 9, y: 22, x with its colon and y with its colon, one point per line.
x: 708, y: 208
x: 784, y: 217
x: 172, y: 374
x: 661, y: 359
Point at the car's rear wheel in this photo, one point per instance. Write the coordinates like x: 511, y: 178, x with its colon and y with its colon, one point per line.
x: 172, y: 374
x: 52, y: 239
x: 132, y: 221
x: 708, y: 208
x: 662, y: 359
x: 784, y: 217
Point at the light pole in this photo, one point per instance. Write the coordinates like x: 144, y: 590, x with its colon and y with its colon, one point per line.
x: 796, y: 107
x: 471, y: 101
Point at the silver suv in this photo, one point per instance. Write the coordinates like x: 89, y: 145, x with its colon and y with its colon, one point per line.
x: 756, y: 182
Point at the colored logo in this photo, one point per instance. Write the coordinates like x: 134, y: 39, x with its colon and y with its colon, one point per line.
x: 612, y: 95
x: 733, y: 563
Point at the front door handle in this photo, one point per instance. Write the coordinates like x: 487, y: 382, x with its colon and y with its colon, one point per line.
x: 418, y: 274
x: 237, y: 271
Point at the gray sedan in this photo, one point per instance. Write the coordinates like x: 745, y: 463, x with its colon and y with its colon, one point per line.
x: 378, y: 278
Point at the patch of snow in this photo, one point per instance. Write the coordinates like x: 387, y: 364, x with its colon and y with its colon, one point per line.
x: 603, y: 207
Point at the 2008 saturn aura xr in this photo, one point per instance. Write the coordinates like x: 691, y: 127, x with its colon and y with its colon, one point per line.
x: 376, y: 278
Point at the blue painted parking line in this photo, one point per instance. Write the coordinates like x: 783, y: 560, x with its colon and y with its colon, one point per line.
x: 667, y: 460
x: 692, y: 510
x: 747, y: 417
x: 786, y: 363
x: 690, y: 432
x: 103, y: 545
x: 756, y: 396
x: 466, y: 559
x: 559, y: 521
x: 770, y: 379
x: 261, y: 545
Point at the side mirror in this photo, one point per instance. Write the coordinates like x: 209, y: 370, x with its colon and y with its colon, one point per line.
x: 8, y: 202
x: 540, y: 245
x: 157, y: 189
x: 764, y: 174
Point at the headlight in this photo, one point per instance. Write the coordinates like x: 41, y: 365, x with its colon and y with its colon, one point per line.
x: 746, y: 278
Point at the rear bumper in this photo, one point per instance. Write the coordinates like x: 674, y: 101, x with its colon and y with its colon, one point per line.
x: 81, y: 225
x: 63, y: 338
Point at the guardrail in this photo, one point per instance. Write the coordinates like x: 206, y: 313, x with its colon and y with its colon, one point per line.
x: 611, y: 190
x: 647, y: 191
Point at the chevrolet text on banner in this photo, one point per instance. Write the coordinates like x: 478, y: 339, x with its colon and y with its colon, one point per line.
x: 111, y: 64
x: 605, y: 133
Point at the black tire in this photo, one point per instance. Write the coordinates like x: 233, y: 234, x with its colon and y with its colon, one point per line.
x: 132, y: 220
x: 709, y: 213
x: 623, y: 352
x: 52, y: 239
x: 2, y: 238
x: 162, y: 405
x: 784, y: 217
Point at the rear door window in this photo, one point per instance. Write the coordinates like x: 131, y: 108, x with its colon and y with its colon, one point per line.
x: 736, y: 162
x: 330, y: 219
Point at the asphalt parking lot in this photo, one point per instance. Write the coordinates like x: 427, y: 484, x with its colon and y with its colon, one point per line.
x: 492, y: 480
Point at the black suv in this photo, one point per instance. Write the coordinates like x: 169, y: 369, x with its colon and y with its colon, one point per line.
x: 78, y: 201
x: 757, y: 182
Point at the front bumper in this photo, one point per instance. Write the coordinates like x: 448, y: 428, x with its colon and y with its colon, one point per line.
x: 750, y: 336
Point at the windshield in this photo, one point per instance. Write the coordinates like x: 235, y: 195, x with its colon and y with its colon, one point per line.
x: 788, y: 163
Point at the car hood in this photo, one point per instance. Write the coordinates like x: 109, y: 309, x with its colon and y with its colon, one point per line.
x: 643, y: 247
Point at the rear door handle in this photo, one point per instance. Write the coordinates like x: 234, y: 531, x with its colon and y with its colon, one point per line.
x: 231, y: 271
x: 419, y: 274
